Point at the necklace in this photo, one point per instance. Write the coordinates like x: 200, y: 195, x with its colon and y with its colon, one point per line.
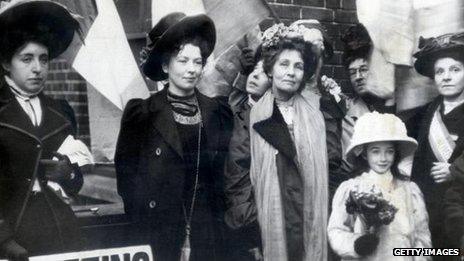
x: 186, y: 249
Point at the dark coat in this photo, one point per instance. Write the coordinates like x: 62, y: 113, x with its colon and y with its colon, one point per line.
x: 151, y: 172
x: 454, y: 204
x: 21, y: 147
x: 423, y: 161
x: 241, y: 214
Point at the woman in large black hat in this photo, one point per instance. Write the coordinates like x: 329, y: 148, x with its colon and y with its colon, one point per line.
x: 441, y: 135
x: 171, y: 147
x: 34, y: 220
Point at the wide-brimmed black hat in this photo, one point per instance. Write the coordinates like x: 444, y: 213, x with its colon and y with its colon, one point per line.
x: 171, y: 29
x: 53, y: 22
x: 430, y: 49
x: 357, y: 44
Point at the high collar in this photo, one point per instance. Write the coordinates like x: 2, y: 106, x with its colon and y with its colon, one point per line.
x: 21, y: 93
x: 13, y: 116
x: 163, y: 120
x: 383, y: 181
x: 374, y: 176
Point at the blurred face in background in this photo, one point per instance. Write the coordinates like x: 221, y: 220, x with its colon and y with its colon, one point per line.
x: 358, y: 71
x: 287, y: 74
x: 257, y: 82
x: 28, y: 67
x: 449, y: 78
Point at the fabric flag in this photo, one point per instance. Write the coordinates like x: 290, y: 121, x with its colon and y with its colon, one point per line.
x: 381, y: 80
x: 437, y: 17
x: 87, y: 12
x: 391, y: 27
x: 231, y: 24
x: 160, y: 8
x: 106, y: 60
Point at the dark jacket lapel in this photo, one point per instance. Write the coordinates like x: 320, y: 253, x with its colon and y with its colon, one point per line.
x: 13, y: 116
x: 163, y: 121
x: 53, y: 121
x: 274, y: 130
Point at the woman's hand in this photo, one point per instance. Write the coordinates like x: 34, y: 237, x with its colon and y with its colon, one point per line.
x: 440, y: 172
x: 331, y: 86
x: 57, y: 170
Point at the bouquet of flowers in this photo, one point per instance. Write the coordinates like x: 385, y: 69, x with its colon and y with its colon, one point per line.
x: 371, y: 207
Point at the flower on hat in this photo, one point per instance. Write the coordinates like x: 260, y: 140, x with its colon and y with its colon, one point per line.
x: 274, y: 34
x: 440, y: 42
x: 143, y: 55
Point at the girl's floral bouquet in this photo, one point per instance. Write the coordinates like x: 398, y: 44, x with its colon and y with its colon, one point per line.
x: 371, y: 207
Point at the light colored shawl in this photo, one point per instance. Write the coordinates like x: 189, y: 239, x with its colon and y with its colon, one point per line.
x: 310, y: 143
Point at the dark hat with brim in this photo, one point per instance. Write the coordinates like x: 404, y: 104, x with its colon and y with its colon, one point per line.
x: 433, y: 48
x: 170, y: 30
x: 357, y: 44
x: 53, y: 22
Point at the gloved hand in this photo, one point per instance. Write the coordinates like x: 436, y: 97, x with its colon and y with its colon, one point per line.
x: 13, y: 251
x: 366, y: 244
x: 247, y: 61
x: 57, y: 170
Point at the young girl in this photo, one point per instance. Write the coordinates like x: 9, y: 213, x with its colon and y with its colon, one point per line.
x: 382, y: 151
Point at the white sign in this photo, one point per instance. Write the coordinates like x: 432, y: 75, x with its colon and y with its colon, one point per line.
x: 133, y: 253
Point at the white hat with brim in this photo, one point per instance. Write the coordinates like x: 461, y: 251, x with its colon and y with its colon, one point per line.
x: 379, y: 127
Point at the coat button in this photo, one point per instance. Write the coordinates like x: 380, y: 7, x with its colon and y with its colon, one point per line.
x: 152, y: 204
x: 158, y: 151
x: 38, y: 146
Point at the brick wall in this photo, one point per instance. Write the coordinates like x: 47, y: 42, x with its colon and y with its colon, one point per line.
x: 335, y: 15
x: 64, y: 83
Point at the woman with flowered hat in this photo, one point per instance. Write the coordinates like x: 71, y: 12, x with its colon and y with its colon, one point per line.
x: 34, y: 219
x: 171, y: 147
x: 380, y: 209
x: 288, y: 172
x: 440, y: 133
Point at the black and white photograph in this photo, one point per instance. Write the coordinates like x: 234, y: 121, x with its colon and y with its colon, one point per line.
x: 231, y: 130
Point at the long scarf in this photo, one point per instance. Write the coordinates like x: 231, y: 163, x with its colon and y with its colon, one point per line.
x: 310, y: 143
x: 440, y: 139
